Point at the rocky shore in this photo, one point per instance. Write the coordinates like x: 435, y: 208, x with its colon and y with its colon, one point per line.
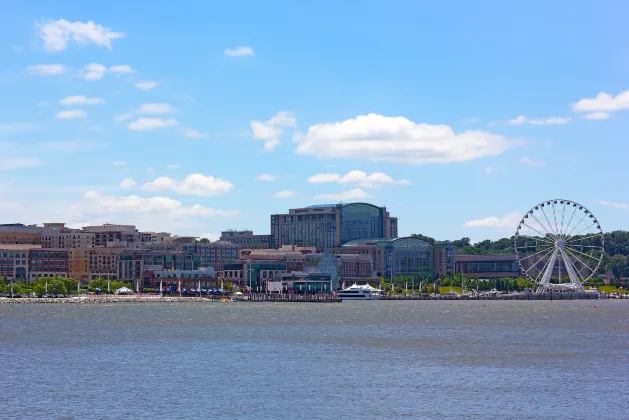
x: 105, y: 299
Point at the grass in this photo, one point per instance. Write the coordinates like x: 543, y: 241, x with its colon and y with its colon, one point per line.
x: 612, y: 289
x: 446, y: 289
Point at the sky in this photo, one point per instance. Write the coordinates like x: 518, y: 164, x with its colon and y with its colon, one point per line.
x: 195, y: 117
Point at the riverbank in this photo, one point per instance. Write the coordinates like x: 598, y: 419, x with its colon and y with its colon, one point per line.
x: 106, y: 299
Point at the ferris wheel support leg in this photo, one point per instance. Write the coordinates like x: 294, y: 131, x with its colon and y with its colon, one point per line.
x: 549, y: 271
x: 574, y: 278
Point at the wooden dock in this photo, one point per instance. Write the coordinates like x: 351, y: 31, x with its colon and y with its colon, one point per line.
x: 277, y: 297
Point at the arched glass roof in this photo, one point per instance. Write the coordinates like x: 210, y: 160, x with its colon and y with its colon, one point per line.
x: 356, y: 207
x: 406, y: 242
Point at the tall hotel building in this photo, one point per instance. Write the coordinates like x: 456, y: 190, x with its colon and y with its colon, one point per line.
x: 331, y: 225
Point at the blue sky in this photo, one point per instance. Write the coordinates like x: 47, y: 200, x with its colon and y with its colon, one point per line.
x: 458, y: 116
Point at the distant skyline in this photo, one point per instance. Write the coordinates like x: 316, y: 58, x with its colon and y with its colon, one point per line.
x: 200, y: 117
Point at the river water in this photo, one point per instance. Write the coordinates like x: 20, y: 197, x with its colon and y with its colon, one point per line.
x: 353, y: 360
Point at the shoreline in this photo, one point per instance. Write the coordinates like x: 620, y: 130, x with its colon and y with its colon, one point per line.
x: 105, y: 299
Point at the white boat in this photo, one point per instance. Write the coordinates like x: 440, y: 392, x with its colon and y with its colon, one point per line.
x: 356, y: 292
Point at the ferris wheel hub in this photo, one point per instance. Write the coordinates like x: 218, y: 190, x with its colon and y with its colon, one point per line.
x: 560, y: 244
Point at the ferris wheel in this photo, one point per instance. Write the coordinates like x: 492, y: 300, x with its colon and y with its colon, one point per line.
x: 559, y: 245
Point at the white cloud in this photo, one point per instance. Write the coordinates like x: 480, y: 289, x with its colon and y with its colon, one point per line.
x: 193, y: 134
x: 528, y: 161
x: 121, y: 68
x: 172, y: 166
x: 507, y: 221
x: 283, y: 194
x: 265, y: 178
x: 71, y: 113
x: 211, y: 236
x: 354, y: 194
x: 598, y: 115
x: 271, y: 130
x: 194, y: 184
x: 239, y: 52
x: 151, y: 123
x: 375, y: 180
x: 94, y: 71
x: 146, y: 85
x: 81, y: 100
x: 621, y: 206
x: 57, y: 34
x: 47, y: 69
x: 10, y: 163
x: 127, y: 183
x: 396, y: 139
x: 521, y: 119
x: 123, y: 117
x: 119, y: 163
x: 603, y: 102
x: 155, y: 108
x: 141, y: 210
x: 491, y: 170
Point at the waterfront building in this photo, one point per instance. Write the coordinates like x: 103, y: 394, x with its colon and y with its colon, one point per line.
x: 488, y: 266
x: 377, y: 254
x: 302, y: 283
x: 56, y: 235
x: 445, y: 254
x: 14, y: 261
x: 253, y: 273
x: 356, y: 265
x: 19, y: 234
x: 109, y: 233
x: 189, y: 278
x: 47, y: 262
x: 134, y: 262
x: 393, y: 227
x: 217, y: 254
x: 330, y: 225
x: 104, y: 262
x: 246, y: 239
x: 403, y: 256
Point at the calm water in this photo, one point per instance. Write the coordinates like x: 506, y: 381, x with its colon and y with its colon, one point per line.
x: 353, y: 360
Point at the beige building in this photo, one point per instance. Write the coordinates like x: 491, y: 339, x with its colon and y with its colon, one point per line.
x: 104, y: 263
x: 20, y: 235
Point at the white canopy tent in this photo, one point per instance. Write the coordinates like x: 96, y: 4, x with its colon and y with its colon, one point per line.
x: 363, y: 286
x: 124, y: 291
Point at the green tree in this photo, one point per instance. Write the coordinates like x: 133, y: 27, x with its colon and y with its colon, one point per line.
x: 617, y: 265
x: 57, y: 286
x: 204, y: 241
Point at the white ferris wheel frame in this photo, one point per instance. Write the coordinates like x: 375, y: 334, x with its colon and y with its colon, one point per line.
x: 559, y: 238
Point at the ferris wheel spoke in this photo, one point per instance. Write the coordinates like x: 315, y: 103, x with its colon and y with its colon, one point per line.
x: 534, y: 229
x: 563, y: 215
x: 538, y: 239
x: 544, y: 226
x: 567, y: 241
x: 573, y: 236
x: 565, y: 233
x: 577, y: 258
x: 581, y: 253
x: 555, y: 217
x: 537, y: 253
x: 549, y: 224
x: 575, y: 226
x: 543, y: 267
x: 573, y: 273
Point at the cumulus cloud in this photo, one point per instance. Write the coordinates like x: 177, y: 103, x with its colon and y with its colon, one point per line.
x: 283, y: 194
x: 270, y: 131
x: 239, y: 52
x: 210, y: 236
x: 47, y: 69
x: 194, y: 184
x: 119, y: 163
x: 71, y: 113
x: 81, y: 100
x: 540, y: 121
x: 146, y: 85
x: 265, y: 178
x: 353, y: 194
x: 123, y: 117
x: 193, y: 134
x: 155, y: 108
x: 151, y: 123
x: 603, y: 102
x: 397, y: 139
x: 621, y: 206
x: 57, y: 34
x: 507, y: 221
x: 121, y: 68
x: 530, y: 162
x: 127, y: 183
x: 598, y: 115
x: 94, y: 71
x: 375, y: 180
x: 143, y: 210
